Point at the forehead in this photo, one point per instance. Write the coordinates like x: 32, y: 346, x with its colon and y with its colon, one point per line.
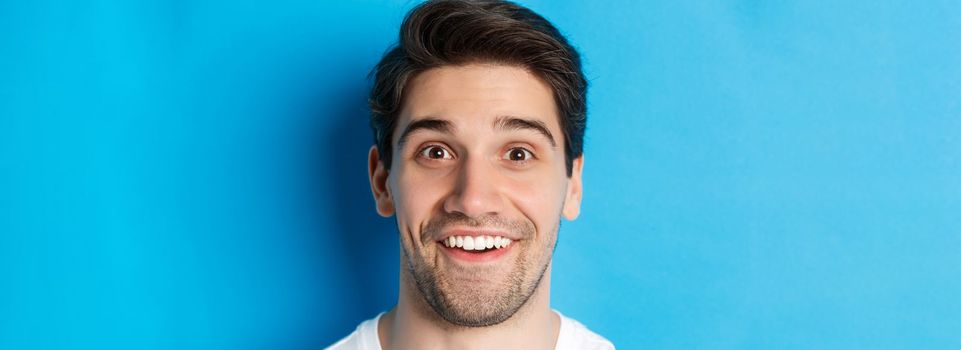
x: 473, y: 96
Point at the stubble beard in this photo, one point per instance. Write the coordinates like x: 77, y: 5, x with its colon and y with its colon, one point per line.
x: 477, y: 297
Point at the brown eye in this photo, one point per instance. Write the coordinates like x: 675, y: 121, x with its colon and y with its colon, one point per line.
x: 435, y: 152
x: 518, y: 155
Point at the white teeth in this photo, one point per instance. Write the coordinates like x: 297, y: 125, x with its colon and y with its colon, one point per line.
x: 480, y: 243
x: 476, y: 242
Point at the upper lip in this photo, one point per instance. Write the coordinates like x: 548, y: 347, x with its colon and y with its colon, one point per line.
x: 477, y: 231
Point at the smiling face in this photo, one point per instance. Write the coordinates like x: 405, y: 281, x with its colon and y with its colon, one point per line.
x: 478, y: 183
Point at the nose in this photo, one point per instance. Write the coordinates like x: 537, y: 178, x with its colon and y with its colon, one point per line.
x: 475, y: 193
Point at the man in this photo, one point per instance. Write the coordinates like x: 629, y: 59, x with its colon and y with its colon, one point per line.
x: 478, y: 116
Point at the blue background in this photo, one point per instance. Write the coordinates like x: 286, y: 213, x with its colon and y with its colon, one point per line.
x: 759, y: 174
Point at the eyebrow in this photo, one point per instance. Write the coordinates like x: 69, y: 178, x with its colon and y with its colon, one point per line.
x: 425, y: 124
x: 503, y: 122
x: 517, y: 123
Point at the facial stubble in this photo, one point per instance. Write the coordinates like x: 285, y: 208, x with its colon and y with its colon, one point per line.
x: 477, y: 297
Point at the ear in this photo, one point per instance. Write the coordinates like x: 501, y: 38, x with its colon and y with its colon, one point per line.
x: 378, y: 183
x: 572, y: 203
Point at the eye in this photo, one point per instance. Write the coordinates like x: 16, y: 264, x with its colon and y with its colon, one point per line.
x: 435, y: 152
x: 518, y: 154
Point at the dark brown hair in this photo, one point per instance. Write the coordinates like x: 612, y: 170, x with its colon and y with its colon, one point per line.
x: 458, y: 32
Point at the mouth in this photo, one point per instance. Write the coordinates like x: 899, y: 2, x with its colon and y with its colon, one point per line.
x: 479, y: 248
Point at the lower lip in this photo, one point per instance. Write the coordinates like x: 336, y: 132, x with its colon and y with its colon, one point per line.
x: 485, y: 256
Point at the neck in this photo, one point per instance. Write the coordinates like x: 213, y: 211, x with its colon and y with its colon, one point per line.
x: 413, y: 324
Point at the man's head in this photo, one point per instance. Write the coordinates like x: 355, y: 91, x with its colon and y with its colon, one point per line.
x: 478, y: 117
x: 453, y: 33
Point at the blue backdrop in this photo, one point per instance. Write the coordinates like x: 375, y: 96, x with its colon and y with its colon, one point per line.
x: 759, y: 174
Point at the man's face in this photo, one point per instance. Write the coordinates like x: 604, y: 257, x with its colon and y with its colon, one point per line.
x: 478, y: 160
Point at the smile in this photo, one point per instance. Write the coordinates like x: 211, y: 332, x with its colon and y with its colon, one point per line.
x: 476, y: 242
x: 475, y: 249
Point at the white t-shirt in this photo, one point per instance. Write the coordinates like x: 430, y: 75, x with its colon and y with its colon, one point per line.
x: 573, y: 336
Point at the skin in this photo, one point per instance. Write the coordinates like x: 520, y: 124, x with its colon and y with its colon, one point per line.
x: 476, y: 174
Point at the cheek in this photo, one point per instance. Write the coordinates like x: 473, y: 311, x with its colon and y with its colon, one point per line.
x: 416, y: 197
x: 540, y: 200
